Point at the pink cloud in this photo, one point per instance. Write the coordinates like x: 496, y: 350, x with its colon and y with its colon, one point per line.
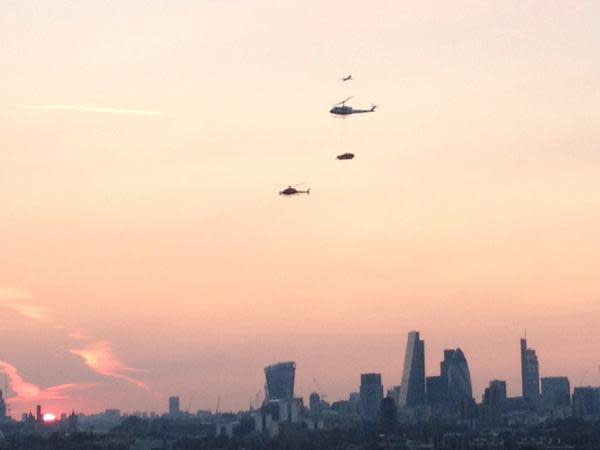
x: 28, y: 392
x: 79, y: 335
x: 33, y: 312
x: 99, y: 357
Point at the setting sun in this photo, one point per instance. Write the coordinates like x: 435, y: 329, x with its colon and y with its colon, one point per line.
x: 49, y: 417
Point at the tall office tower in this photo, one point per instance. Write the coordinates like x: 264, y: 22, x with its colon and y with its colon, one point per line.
x: 448, y: 354
x: 556, y: 392
x: 530, y: 374
x: 2, y: 408
x: 371, y: 394
x: 38, y: 413
x: 459, y: 379
x: 412, y: 389
x: 280, y: 381
x: 174, y: 406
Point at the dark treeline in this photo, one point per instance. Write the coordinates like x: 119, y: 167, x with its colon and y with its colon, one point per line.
x: 170, y: 435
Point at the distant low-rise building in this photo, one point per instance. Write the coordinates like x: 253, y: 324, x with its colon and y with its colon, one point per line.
x: 556, y: 393
x: 586, y: 402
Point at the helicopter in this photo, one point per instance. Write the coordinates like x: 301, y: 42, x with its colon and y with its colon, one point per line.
x: 347, y: 78
x: 291, y: 190
x: 345, y: 156
x: 343, y: 110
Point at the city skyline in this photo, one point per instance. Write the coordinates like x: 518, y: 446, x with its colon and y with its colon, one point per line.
x: 145, y: 251
x: 280, y: 384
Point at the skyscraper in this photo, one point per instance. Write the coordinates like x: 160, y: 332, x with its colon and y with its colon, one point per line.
x: 174, y: 406
x: 556, y: 392
x: 494, y: 402
x: 371, y: 394
x: 280, y: 381
x: 412, y: 389
x: 586, y: 401
x: 459, y: 379
x: 530, y: 374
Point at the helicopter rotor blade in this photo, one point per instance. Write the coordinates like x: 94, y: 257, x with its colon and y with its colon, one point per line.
x: 297, y: 184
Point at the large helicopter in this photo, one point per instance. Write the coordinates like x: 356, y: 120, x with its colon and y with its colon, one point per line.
x: 291, y: 190
x: 343, y: 110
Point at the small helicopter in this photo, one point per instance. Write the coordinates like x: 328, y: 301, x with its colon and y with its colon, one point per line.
x: 347, y: 78
x: 291, y: 190
x: 345, y: 156
x: 343, y: 110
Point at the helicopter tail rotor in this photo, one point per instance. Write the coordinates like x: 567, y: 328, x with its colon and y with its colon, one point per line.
x: 373, y: 107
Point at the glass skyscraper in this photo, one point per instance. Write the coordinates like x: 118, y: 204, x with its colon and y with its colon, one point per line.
x: 280, y: 381
x: 371, y: 394
x: 530, y: 374
x: 412, y: 389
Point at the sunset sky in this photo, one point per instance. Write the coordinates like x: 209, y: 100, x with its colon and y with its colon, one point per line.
x: 144, y: 251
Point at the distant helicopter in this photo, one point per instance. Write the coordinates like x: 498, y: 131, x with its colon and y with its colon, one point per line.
x: 347, y: 78
x: 291, y: 190
x: 343, y: 110
x: 345, y: 156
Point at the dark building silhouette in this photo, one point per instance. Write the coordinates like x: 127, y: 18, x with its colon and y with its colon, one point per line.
x: 2, y: 408
x: 314, y: 402
x: 586, y: 401
x: 460, y: 393
x: 437, y: 390
x: 280, y: 381
x: 371, y: 395
x: 38, y: 414
x: 530, y: 374
x: 174, y: 406
x: 451, y: 391
x: 73, y: 423
x: 494, y: 402
x: 412, y: 389
x: 387, y: 418
x: 556, y: 392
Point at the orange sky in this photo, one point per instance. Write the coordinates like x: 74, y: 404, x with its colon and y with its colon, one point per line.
x: 145, y: 251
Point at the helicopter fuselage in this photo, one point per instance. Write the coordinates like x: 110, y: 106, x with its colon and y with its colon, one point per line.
x: 347, y: 110
x: 293, y: 191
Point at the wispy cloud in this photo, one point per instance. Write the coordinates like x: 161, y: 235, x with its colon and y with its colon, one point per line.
x: 79, y: 335
x: 99, y: 357
x: 13, y: 294
x: 94, y: 109
x: 33, y: 312
x: 26, y: 392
